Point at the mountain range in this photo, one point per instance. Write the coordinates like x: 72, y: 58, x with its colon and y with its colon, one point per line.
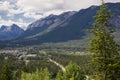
x: 69, y: 28
x: 10, y: 32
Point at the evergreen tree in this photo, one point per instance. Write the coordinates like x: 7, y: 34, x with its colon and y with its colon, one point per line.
x: 60, y: 76
x: 106, y: 58
x: 42, y: 74
x: 74, y: 72
x: 6, y: 73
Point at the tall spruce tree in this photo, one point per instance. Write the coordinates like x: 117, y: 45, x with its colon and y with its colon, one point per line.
x: 106, y: 58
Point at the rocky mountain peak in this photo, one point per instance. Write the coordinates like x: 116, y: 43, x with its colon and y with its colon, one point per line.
x: 10, y: 32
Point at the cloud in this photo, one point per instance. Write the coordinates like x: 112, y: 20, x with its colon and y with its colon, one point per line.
x: 36, y: 9
x: 20, y: 23
x: 39, y: 5
x: 32, y: 15
x: 54, y: 6
x: 8, y: 9
x: 31, y: 9
x: 11, y: 1
x: 4, y: 6
x: 112, y: 0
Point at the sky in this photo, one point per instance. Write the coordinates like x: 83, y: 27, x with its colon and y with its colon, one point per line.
x: 24, y: 12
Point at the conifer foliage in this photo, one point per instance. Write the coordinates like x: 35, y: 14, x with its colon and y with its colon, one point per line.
x: 74, y: 72
x: 6, y: 74
x: 42, y: 74
x: 102, y: 45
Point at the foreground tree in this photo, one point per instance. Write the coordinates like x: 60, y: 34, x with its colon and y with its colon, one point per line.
x: 106, y: 58
x: 42, y: 74
x: 6, y: 73
x: 72, y: 72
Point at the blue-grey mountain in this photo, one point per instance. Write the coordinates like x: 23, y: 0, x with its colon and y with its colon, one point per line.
x: 67, y: 27
x: 10, y: 32
x: 45, y: 25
